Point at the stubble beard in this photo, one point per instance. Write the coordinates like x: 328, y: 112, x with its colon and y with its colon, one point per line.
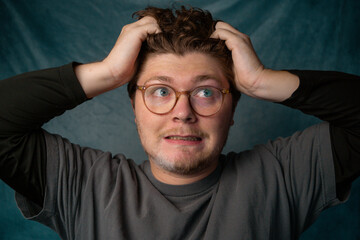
x: 189, y: 165
x: 185, y: 165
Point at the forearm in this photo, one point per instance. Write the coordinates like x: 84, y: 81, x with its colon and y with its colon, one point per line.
x: 31, y: 99
x: 330, y: 96
x: 26, y: 102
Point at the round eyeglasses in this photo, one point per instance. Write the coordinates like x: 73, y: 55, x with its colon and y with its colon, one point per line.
x: 204, y: 100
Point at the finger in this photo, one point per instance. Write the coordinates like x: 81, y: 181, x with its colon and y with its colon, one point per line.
x: 227, y: 35
x: 146, y: 20
x: 139, y: 29
x: 222, y: 34
x: 143, y: 24
x: 148, y: 25
x: 227, y: 26
x: 150, y: 28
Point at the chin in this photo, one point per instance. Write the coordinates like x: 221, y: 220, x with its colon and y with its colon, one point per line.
x: 184, y: 165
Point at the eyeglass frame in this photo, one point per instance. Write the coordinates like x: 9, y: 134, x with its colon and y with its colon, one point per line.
x: 143, y: 88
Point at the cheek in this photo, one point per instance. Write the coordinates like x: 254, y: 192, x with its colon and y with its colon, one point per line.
x: 146, y: 121
x: 223, y: 123
x: 223, y: 128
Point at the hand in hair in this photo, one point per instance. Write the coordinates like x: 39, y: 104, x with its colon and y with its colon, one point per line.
x: 251, y: 77
x: 119, y: 66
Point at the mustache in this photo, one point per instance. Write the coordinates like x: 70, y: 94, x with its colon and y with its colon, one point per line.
x: 183, y: 132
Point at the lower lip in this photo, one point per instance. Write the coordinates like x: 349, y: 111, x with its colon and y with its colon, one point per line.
x: 182, y: 142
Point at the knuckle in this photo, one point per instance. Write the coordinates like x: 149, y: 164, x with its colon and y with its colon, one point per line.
x: 126, y: 28
x: 246, y: 37
x: 147, y: 20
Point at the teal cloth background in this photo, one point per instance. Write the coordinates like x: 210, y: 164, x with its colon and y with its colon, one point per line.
x: 306, y: 34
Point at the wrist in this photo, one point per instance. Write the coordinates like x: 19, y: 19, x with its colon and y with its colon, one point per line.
x: 276, y: 86
x: 95, y: 78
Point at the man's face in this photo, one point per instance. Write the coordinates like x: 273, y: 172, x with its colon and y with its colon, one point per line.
x: 181, y: 141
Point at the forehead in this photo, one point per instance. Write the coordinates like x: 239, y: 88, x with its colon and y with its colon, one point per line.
x: 182, y: 71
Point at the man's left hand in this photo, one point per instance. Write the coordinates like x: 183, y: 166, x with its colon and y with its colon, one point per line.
x: 251, y: 77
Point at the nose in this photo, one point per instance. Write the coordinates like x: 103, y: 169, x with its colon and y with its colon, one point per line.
x: 183, y: 111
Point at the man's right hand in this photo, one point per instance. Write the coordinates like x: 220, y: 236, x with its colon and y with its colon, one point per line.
x: 118, y: 67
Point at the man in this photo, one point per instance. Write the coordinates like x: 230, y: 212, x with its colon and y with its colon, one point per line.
x: 184, y: 73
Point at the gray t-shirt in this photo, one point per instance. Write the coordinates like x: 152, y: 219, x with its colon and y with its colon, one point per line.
x: 274, y: 191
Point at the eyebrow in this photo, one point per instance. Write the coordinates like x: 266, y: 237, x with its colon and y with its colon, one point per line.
x: 202, y: 78
x: 197, y: 79
x: 161, y: 79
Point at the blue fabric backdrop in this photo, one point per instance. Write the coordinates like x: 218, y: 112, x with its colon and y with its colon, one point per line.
x: 286, y: 34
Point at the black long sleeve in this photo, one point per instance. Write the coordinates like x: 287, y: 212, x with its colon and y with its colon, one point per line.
x: 334, y: 97
x: 27, y: 101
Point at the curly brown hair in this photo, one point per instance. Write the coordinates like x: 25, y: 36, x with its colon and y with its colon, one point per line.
x: 183, y: 31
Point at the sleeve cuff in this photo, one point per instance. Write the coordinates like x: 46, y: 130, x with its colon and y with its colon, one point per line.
x: 72, y: 84
x: 303, y: 91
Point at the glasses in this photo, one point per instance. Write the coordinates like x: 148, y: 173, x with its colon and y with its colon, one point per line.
x: 161, y: 99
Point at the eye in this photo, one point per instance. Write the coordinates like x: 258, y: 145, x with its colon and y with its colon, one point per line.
x: 163, y: 92
x: 159, y: 91
x: 204, y: 92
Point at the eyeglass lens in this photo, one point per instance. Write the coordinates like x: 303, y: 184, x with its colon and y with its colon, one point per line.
x: 204, y: 100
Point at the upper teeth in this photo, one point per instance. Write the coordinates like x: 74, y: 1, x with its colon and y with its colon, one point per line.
x: 184, y: 138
